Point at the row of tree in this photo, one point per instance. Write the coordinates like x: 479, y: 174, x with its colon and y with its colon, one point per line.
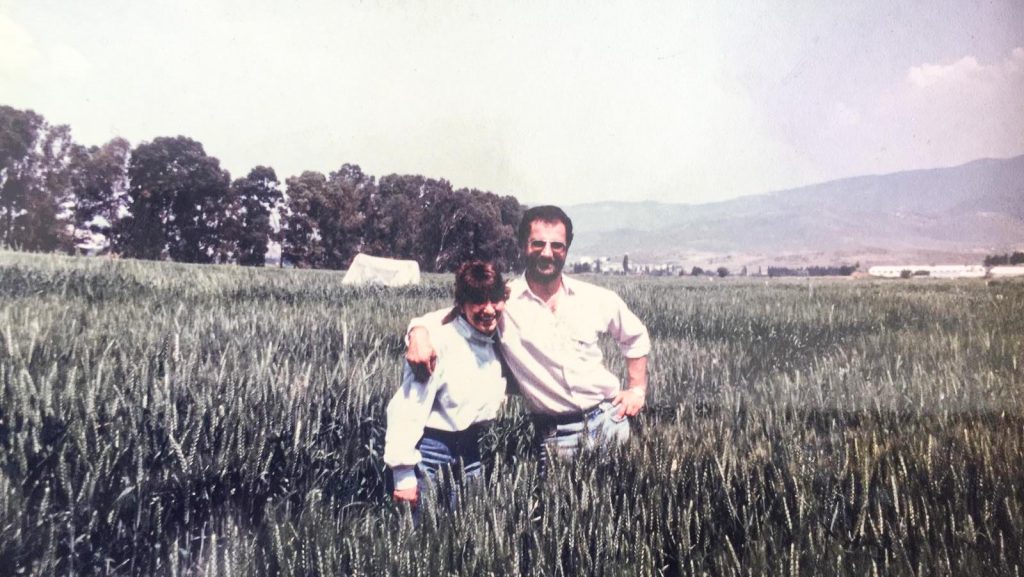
x: 168, y: 199
x: 1015, y: 258
x: 840, y: 270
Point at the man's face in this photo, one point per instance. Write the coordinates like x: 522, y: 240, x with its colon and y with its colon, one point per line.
x: 545, y: 250
x: 484, y: 316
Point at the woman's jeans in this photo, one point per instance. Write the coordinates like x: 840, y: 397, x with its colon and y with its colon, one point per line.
x: 449, y: 460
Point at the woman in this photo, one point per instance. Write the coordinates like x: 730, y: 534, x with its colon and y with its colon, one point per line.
x: 434, y: 427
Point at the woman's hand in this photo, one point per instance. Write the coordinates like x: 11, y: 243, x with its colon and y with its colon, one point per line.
x: 410, y: 495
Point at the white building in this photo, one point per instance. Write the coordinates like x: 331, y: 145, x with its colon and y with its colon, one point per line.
x: 1006, y: 271
x: 929, y: 271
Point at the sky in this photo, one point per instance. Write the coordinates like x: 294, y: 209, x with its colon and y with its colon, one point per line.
x: 552, y: 102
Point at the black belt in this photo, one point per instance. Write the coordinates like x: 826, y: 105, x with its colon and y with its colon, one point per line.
x: 471, y: 432
x: 566, y: 418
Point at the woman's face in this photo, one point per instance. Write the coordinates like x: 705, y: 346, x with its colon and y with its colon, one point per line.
x: 484, y: 316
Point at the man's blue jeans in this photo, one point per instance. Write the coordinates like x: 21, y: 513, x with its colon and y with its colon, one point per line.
x: 599, y: 428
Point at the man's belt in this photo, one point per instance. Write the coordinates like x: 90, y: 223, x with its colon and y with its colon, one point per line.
x: 566, y: 418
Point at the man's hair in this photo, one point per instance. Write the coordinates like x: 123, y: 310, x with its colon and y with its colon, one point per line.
x: 477, y: 281
x: 546, y: 213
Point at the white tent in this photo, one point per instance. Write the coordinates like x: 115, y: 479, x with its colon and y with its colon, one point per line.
x: 366, y: 269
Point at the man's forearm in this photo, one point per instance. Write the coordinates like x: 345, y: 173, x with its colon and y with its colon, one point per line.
x: 636, y: 373
x: 420, y: 354
x: 632, y: 400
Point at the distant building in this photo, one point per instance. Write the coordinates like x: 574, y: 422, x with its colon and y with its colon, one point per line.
x: 928, y: 271
x: 1006, y: 271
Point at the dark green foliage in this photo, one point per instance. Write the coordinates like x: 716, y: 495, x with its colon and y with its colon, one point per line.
x: 35, y: 181
x: 99, y: 189
x: 1017, y: 258
x: 247, y: 229
x: 841, y: 270
x: 469, y: 224
x: 323, y: 226
x: 170, y: 419
x: 168, y: 200
x: 300, y: 224
x: 178, y: 199
x: 329, y: 220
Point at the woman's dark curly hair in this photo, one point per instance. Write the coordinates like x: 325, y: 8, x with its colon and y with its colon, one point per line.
x: 477, y: 281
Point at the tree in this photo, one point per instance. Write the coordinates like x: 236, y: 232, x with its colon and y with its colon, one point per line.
x: 300, y: 221
x: 100, y: 190
x: 625, y: 263
x: 20, y: 133
x: 396, y: 213
x: 511, y: 214
x: 324, y: 218
x: 697, y: 271
x: 722, y: 272
x: 247, y: 229
x: 1004, y: 259
x: 35, y: 160
x: 468, y: 224
x: 178, y: 200
x: 347, y: 200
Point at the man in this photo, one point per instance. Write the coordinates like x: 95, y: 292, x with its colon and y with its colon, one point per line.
x: 549, y: 338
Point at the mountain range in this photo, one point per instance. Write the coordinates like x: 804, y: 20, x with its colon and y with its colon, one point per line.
x: 954, y: 215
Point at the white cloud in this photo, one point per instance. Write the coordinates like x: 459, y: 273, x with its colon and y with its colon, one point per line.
x: 968, y: 70
x: 929, y: 74
x: 930, y: 115
x: 946, y: 114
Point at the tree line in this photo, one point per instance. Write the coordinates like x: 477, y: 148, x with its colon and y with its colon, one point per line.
x: 1011, y: 259
x: 840, y: 270
x: 168, y: 199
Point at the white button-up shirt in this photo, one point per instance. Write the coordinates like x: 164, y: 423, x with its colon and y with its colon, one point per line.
x: 556, y: 356
x: 466, y: 387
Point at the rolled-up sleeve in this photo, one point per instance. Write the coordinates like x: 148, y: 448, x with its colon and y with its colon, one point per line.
x: 627, y: 329
x: 429, y: 321
x: 407, y: 414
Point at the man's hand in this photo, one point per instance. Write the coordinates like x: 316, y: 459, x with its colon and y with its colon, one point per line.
x: 632, y: 399
x: 420, y: 354
x: 629, y: 402
x: 410, y: 495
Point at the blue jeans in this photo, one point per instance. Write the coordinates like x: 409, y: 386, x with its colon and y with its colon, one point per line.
x: 448, y: 460
x: 599, y: 428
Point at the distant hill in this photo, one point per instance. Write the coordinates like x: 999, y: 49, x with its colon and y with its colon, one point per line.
x: 943, y: 215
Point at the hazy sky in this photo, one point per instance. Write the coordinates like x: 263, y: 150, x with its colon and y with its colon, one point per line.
x: 562, y: 102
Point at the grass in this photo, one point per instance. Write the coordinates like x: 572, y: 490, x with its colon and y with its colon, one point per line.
x: 166, y: 419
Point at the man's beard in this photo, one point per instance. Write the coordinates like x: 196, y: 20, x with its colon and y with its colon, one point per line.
x: 533, y: 273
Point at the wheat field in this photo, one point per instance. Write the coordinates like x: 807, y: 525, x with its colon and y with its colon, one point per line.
x: 168, y: 419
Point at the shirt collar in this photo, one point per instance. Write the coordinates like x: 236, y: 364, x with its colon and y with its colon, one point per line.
x: 521, y: 289
x: 469, y: 333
